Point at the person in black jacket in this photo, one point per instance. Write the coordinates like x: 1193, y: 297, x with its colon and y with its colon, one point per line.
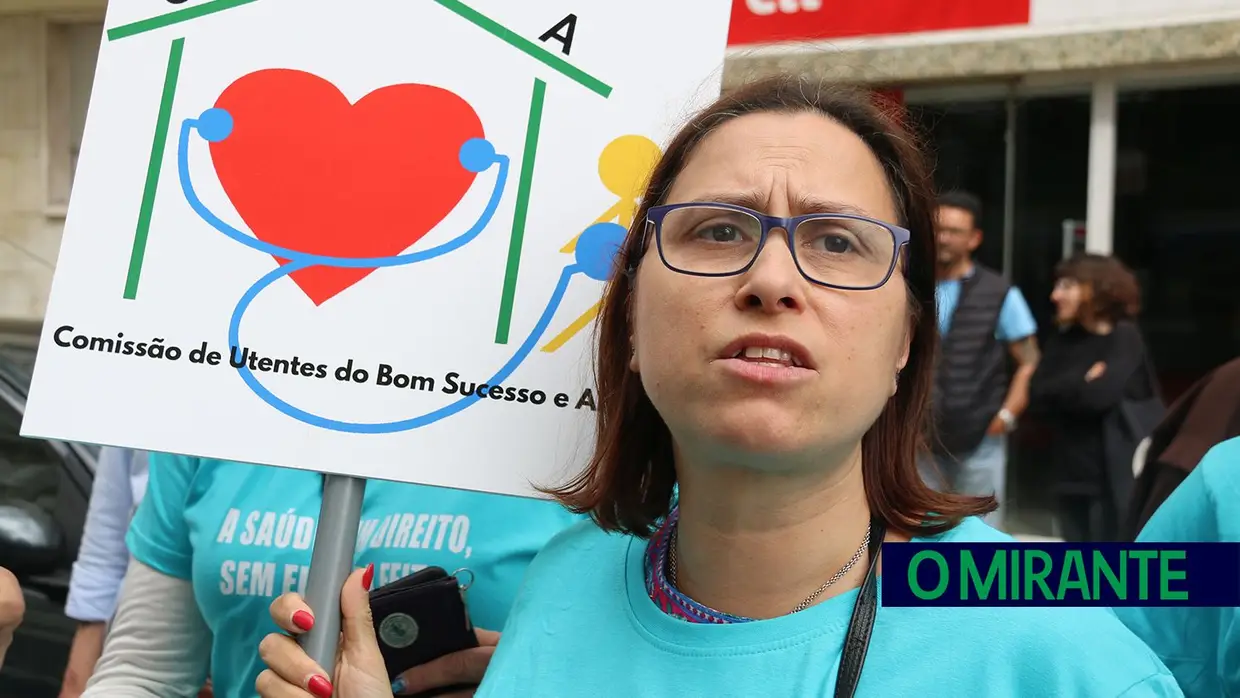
x: 1096, y: 361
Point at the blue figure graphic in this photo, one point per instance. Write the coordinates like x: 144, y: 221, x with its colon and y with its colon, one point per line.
x: 594, y: 258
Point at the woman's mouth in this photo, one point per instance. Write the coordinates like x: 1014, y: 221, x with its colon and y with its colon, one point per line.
x: 767, y: 359
x: 768, y: 355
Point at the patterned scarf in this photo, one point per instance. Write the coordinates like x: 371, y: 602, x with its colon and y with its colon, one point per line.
x: 667, y: 597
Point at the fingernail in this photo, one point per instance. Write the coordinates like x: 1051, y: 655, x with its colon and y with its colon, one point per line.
x: 303, y: 620
x: 369, y: 576
x: 319, y: 686
x: 399, y: 685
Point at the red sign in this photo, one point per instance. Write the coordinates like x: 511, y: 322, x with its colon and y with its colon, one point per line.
x: 892, y: 96
x: 770, y: 21
x: 890, y: 100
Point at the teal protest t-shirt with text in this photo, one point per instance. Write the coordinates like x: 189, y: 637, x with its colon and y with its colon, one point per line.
x: 243, y: 534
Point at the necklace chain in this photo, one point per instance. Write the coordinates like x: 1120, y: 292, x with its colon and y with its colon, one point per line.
x: 865, y: 543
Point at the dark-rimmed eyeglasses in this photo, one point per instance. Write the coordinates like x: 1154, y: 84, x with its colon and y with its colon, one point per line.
x: 836, y: 250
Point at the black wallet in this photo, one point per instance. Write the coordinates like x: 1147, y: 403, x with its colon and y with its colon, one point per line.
x: 420, y: 618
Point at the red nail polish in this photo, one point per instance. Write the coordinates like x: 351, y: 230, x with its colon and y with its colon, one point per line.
x: 320, y: 686
x: 303, y: 620
x: 369, y: 576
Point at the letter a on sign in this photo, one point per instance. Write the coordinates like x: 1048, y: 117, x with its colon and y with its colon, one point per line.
x: 568, y: 27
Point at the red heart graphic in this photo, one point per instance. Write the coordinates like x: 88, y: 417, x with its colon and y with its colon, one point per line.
x: 308, y: 171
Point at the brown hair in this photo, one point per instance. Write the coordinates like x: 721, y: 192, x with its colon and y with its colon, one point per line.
x: 628, y: 483
x: 1114, y: 292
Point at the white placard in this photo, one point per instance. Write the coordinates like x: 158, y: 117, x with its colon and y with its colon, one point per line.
x: 374, y: 205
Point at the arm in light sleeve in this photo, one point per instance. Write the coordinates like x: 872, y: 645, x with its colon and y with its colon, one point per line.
x: 1017, y: 329
x: 103, y: 555
x: 1016, y: 320
x: 1201, y: 646
x: 159, y: 646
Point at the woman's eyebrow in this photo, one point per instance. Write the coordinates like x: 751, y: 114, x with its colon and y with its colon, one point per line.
x: 802, y: 204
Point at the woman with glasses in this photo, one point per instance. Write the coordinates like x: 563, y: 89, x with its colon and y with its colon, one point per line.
x: 1096, y: 362
x: 767, y: 347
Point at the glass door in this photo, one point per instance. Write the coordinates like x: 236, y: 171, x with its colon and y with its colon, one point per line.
x: 1033, y: 187
x: 1050, y: 182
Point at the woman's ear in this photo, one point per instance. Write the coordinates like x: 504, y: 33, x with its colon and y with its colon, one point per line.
x: 634, y: 364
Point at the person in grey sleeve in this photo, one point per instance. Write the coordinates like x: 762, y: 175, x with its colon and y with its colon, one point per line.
x: 120, y: 483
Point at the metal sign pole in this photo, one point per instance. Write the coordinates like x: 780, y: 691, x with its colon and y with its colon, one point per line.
x: 331, y: 563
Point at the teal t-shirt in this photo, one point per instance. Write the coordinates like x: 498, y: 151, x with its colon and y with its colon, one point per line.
x: 1200, y: 645
x: 243, y: 535
x: 584, y: 625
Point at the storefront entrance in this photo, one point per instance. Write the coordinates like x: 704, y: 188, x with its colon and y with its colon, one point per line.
x: 1176, y: 217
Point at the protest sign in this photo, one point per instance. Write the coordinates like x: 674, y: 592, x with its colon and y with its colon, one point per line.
x: 362, y: 238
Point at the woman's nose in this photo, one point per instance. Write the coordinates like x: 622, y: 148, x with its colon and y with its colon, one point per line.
x: 773, y: 282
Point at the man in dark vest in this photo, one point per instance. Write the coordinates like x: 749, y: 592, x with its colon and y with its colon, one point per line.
x: 983, y: 321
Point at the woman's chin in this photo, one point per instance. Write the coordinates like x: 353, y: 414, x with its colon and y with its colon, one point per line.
x: 762, y: 437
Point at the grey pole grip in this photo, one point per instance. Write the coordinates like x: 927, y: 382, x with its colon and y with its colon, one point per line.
x: 331, y: 563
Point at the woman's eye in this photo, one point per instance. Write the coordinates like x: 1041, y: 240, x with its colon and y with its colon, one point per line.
x: 721, y: 233
x: 836, y: 244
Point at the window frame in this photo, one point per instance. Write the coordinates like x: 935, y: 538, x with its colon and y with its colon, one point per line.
x: 71, y: 57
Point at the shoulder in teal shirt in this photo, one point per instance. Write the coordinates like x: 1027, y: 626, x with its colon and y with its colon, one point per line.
x: 243, y: 534
x: 584, y: 625
x: 1201, y: 645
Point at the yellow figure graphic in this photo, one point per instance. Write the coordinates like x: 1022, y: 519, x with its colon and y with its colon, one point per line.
x: 623, y: 167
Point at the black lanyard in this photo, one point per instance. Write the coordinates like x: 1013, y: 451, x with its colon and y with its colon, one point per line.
x: 857, y: 641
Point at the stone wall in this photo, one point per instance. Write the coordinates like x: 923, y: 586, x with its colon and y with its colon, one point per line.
x: 29, y: 227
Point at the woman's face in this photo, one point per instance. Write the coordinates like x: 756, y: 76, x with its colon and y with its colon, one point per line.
x: 1068, y: 295
x: 765, y: 412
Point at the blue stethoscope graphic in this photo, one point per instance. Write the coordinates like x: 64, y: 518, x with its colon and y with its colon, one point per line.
x: 595, y: 251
